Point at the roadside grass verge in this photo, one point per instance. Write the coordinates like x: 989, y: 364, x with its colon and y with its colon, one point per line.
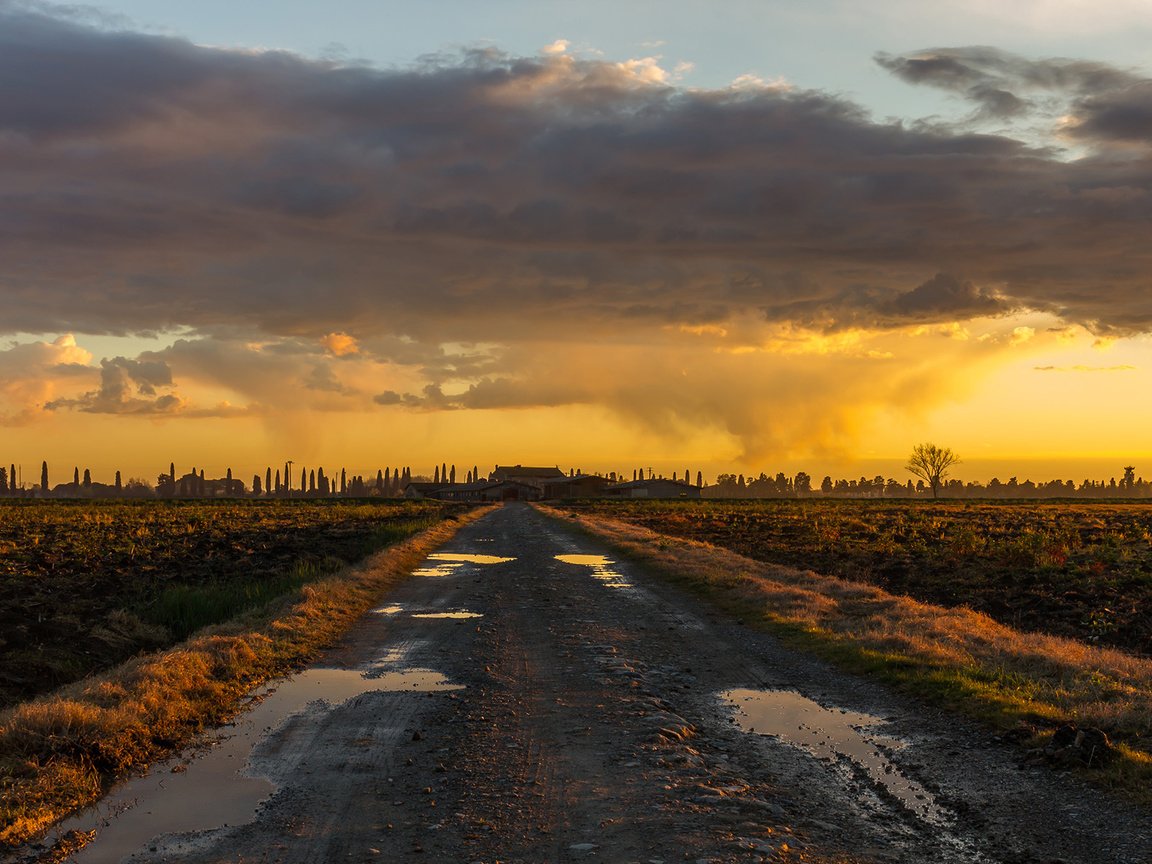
x: 60, y: 751
x: 953, y: 657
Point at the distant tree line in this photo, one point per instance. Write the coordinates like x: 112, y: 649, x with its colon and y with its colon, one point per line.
x: 309, y: 483
x: 800, y: 486
x: 288, y: 481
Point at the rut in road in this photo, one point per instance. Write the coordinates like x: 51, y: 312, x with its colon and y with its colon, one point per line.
x: 590, y: 727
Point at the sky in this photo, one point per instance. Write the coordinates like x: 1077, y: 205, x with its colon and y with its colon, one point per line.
x: 716, y: 236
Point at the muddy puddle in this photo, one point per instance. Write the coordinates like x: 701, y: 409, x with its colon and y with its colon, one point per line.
x: 601, y: 569
x: 396, y: 609
x: 447, y: 563
x: 832, y: 734
x: 210, y: 791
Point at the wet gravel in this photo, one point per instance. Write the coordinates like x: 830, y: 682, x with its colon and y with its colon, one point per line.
x: 591, y: 727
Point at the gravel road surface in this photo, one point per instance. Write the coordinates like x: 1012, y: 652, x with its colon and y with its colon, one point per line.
x: 531, y: 698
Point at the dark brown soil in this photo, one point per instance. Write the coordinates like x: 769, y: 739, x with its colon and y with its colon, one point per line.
x: 1081, y: 570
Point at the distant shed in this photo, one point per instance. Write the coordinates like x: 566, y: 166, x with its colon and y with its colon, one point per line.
x: 655, y: 488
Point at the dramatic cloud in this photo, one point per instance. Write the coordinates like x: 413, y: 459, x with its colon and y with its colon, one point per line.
x: 184, y: 186
x: 126, y: 387
x: 1092, y: 102
x: 340, y: 238
x: 32, y: 373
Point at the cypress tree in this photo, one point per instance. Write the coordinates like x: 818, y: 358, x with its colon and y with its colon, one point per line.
x: 4, y: 480
x: 343, y: 482
x: 256, y: 490
x: 277, y: 479
x: 268, y: 481
x: 311, y: 481
x: 119, y: 486
x: 75, y: 476
x: 475, y: 474
x: 379, y: 481
x: 452, y: 474
x: 436, y: 475
x: 303, y: 479
x: 87, y: 478
x: 43, y: 478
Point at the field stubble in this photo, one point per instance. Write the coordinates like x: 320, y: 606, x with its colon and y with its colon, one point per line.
x: 1071, y: 569
x: 90, y: 584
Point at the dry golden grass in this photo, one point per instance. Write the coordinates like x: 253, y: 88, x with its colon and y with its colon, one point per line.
x: 957, y: 657
x: 58, y: 753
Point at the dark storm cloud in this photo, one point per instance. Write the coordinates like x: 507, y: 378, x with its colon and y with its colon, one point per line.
x: 150, y: 184
x: 941, y: 298
x: 126, y: 387
x: 1101, y: 102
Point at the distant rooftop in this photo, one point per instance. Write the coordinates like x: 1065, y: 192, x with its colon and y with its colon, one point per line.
x: 503, y: 471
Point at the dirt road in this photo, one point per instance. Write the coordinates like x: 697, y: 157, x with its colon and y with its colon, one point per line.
x: 563, y: 706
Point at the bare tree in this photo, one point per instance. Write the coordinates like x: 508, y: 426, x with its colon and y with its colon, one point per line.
x: 931, y: 464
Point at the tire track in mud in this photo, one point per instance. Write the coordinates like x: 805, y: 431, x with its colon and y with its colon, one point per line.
x: 590, y: 729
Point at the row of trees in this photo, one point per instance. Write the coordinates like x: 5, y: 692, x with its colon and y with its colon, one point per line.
x: 313, y: 483
x: 280, y: 482
x: 931, y: 465
x: 928, y: 463
x: 782, y: 486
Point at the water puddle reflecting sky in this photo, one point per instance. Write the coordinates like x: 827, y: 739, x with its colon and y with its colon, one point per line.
x: 829, y: 733
x: 210, y: 791
x: 447, y: 563
x: 396, y: 609
x: 601, y: 569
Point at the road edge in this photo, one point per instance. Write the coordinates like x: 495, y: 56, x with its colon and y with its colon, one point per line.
x: 778, y: 600
x: 61, y: 751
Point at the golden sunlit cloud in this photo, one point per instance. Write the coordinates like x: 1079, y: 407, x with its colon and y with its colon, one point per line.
x: 340, y: 344
x: 1020, y: 335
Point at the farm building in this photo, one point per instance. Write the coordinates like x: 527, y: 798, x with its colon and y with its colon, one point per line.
x: 522, y: 474
x: 579, y: 486
x: 485, y: 490
x: 655, y: 488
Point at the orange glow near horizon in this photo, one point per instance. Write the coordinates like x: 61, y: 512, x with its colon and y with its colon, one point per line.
x: 1014, y: 398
